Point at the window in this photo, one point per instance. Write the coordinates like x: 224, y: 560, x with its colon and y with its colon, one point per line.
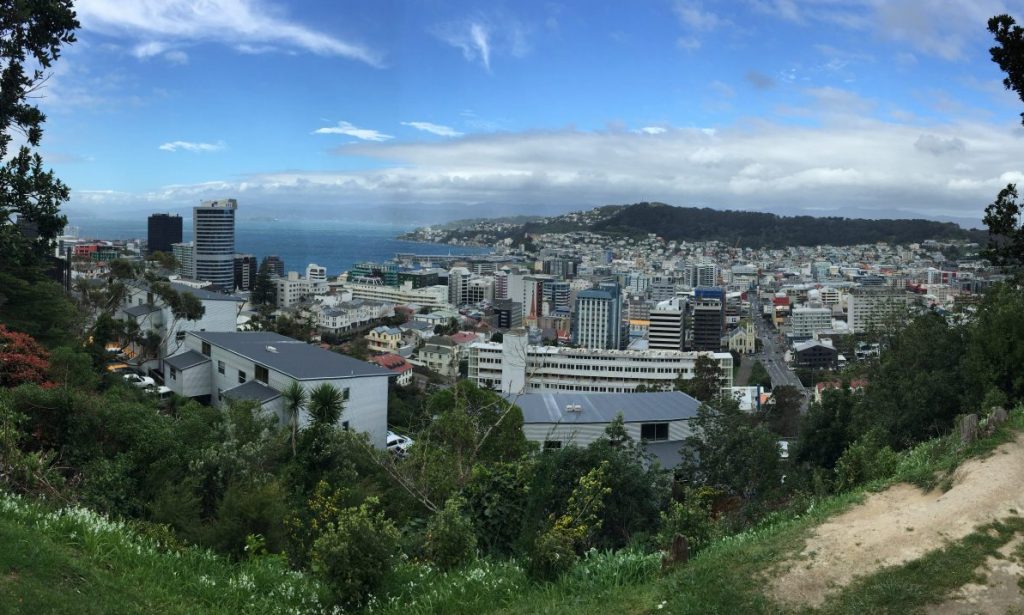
x: 220, y: 367
x: 262, y: 374
x: 220, y: 394
x: 206, y: 348
x: 241, y: 377
x: 344, y: 394
x: 552, y: 444
x: 179, y: 336
x: 344, y: 425
x: 654, y: 432
x: 174, y: 374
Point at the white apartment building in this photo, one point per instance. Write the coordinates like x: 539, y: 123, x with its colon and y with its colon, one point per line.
x: 293, y: 289
x: 667, y: 325
x: 871, y: 306
x: 151, y: 313
x: 514, y: 366
x: 184, y: 255
x: 428, y: 296
x: 316, y: 272
x: 805, y: 322
x: 346, y: 315
x: 458, y: 286
x: 257, y: 366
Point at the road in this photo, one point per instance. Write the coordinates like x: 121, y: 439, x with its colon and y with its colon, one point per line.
x: 773, y: 349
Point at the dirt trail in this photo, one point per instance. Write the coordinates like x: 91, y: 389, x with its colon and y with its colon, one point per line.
x: 1001, y: 592
x: 901, y: 524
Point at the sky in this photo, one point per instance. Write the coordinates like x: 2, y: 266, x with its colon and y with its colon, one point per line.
x: 432, y: 110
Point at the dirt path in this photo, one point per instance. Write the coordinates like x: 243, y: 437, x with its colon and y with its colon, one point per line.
x: 998, y: 595
x: 902, y: 524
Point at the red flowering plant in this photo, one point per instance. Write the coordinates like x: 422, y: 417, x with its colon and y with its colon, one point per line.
x: 22, y: 360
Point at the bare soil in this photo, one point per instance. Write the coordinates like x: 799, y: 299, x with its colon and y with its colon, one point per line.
x: 901, y: 524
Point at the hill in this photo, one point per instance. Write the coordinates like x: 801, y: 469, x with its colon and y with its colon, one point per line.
x: 758, y: 230
x: 749, y: 229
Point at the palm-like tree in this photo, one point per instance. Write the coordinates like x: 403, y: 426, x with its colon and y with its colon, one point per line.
x: 325, y: 404
x: 294, y: 399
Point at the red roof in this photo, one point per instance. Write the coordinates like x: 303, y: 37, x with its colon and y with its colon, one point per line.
x: 780, y: 300
x: 390, y: 361
x: 463, y: 337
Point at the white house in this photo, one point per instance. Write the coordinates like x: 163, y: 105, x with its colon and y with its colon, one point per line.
x: 257, y: 366
x: 151, y: 313
x: 660, y: 420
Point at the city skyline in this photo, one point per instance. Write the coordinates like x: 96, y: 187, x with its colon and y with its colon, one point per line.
x: 854, y: 108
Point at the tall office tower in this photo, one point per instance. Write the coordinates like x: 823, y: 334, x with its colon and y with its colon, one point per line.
x: 707, y: 324
x: 245, y: 271
x: 213, y: 224
x: 507, y: 314
x: 184, y: 253
x: 164, y: 230
x: 598, y: 321
x: 458, y: 286
x: 667, y: 329
x: 556, y: 295
x: 274, y: 265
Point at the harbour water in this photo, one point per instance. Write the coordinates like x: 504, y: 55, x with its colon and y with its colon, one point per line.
x: 334, y: 244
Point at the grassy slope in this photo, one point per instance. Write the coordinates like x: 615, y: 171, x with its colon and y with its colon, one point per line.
x: 74, y: 561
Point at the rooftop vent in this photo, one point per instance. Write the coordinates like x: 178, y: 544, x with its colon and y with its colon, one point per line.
x: 271, y: 349
x: 573, y: 408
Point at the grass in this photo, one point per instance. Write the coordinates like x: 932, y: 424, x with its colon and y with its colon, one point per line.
x: 75, y: 561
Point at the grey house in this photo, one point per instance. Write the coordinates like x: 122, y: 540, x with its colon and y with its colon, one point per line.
x: 661, y: 420
x: 257, y: 366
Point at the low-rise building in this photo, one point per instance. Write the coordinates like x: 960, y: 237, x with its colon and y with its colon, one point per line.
x: 257, y: 366
x: 384, y: 339
x: 398, y: 365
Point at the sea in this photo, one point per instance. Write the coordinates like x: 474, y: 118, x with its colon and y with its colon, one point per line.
x: 334, y: 244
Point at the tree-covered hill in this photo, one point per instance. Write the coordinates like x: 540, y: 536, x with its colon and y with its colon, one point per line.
x: 757, y: 229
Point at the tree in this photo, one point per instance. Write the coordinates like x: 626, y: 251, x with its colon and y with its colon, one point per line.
x: 706, y: 383
x: 325, y: 405
x: 782, y: 412
x: 263, y: 291
x: 1009, y: 52
x: 164, y: 260
x: 32, y: 35
x: 828, y: 428
x: 295, y: 398
x: 759, y: 376
x: 731, y: 453
x: 22, y: 359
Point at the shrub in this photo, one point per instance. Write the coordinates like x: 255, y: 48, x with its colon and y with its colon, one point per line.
x: 691, y: 518
x: 864, y: 461
x: 355, y: 553
x: 450, y: 539
x: 554, y: 554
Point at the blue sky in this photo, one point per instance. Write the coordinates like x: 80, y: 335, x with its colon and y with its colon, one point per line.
x: 434, y: 109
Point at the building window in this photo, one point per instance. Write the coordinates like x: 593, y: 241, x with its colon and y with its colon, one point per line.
x: 345, y: 394
x: 174, y: 374
x: 344, y: 425
x: 220, y: 367
x: 552, y: 444
x: 262, y: 374
x: 241, y: 377
x: 179, y: 336
x: 654, y: 432
x: 220, y: 394
x: 206, y: 348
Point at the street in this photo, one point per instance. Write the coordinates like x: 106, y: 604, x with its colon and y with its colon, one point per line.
x: 772, y: 352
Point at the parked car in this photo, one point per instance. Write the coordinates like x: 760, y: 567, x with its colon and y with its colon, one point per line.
x: 139, y: 381
x: 398, y: 445
x: 160, y: 391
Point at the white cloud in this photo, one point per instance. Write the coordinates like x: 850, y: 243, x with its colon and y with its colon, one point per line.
x: 191, y: 146
x: 472, y: 38
x: 651, y: 130
x: 345, y: 128
x: 856, y: 168
x: 693, y: 15
x: 939, y: 145
x: 437, y: 129
x: 236, y: 22
x: 485, y: 36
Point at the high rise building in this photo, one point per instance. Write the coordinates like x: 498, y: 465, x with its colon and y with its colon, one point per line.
x: 184, y: 254
x: 458, y: 286
x: 164, y: 231
x: 708, y: 319
x: 598, y: 321
x: 213, y: 224
x: 316, y: 273
x: 667, y: 328
x: 245, y: 271
x: 507, y: 314
x: 274, y: 265
x: 701, y: 274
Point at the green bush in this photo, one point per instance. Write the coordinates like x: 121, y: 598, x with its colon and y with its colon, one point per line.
x: 864, y: 461
x: 355, y: 553
x: 554, y: 554
x: 450, y: 540
x: 691, y: 518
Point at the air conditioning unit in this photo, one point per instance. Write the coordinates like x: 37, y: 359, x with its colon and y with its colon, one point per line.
x: 573, y: 408
x: 271, y: 349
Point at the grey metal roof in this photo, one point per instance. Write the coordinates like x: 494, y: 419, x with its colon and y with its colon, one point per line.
x: 254, y: 390
x: 140, y: 310
x: 187, y: 359
x: 289, y: 356
x: 604, y: 407
x: 199, y: 293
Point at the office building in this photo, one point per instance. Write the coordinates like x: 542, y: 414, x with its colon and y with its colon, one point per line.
x: 184, y: 255
x: 598, y: 318
x: 164, y: 231
x: 245, y: 272
x: 213, y: 224
x: 274, y: 265
x: 708, y: 319
x: 458, y: 286
x: 667, y: 325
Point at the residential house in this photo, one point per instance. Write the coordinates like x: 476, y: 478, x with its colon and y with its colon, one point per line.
x: 257, y: 366
x: 398, y: 365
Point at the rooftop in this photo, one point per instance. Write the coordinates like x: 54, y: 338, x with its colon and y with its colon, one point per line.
x: 297, y: 359
x: 604, y: 407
